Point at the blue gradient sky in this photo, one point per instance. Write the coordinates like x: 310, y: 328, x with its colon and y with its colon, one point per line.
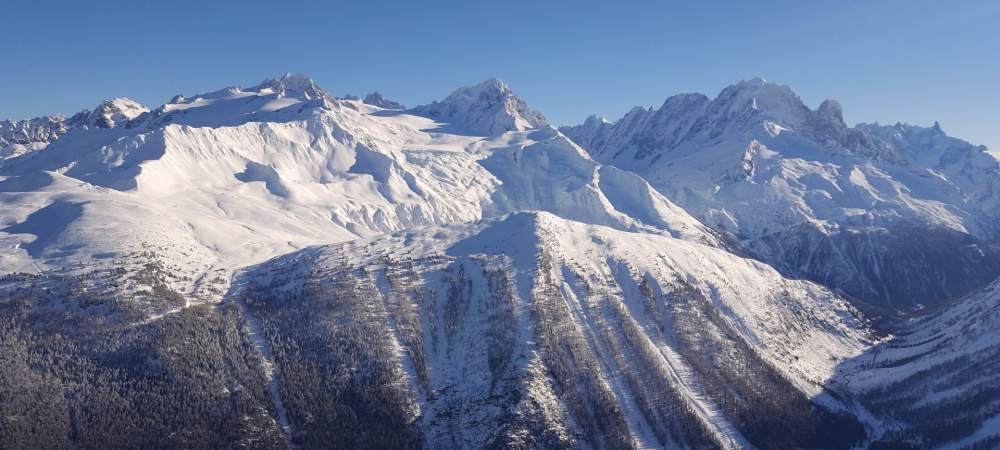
x: 914, y: 61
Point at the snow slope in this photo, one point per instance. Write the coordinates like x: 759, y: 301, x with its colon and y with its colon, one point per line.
x: 221, y: 180
x: 937, y: 382
x: 802, y: 190
x: 478, y: 312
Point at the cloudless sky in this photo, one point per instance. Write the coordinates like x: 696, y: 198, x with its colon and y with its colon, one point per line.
x: 913, y: 61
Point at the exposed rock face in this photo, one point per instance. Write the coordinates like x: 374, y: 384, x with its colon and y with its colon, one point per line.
x: 377, y: 99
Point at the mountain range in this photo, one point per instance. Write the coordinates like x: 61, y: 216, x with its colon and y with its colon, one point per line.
x: 800, y: 189
x: 276, y: 267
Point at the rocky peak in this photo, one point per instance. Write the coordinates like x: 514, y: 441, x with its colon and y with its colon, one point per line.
x: 19, y: 136
x: 111, y: 113
x: 490, y: 107
x: 377, y: 99
x: 684, y: 102
x: 830, y: 110
x: 828, y: 126
x: 936, y: 129
x: 594, y: 121
x: 588, y: 132
x: 295, y: 85
x: 755, y: 99
x: 16, y: 136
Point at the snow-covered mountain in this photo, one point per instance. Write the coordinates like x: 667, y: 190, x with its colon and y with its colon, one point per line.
x: 229, y: 178
x: 488, y: 108
x: 377, y: 99
x: 273, y: 266
x: 532, y: 331
x: 799, y: 188
x: 22, y: 136
x: 937, y: 382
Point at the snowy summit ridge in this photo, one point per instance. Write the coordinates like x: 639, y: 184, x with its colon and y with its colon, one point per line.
x: 290, y: 97
x: 114, y: 112
x: 490, y: 107
x: 294, y: 85
x: 837, y: 197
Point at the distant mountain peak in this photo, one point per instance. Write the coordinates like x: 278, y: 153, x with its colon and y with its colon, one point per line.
x: 595, y: 117
x: 759, y: 97
x: 831, y: 109
x: 594, y: 121
x: 18, y: 137
x: 297, y: 81
x: 755, y: 84
x: 749, y: 109
x: 758, y: 84
x: 111, y: 113
x: 591, y: 128
x: 295, y: 85
x: 377, y: 99
x: 937, y: 128
x: 493, y: 83
x: 290, y: 96
x: 490, y: 107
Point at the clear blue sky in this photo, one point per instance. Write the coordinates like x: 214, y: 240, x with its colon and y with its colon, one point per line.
x: 890, y: 60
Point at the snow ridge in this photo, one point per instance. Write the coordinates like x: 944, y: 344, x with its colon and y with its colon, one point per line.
x: 243, y: 175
